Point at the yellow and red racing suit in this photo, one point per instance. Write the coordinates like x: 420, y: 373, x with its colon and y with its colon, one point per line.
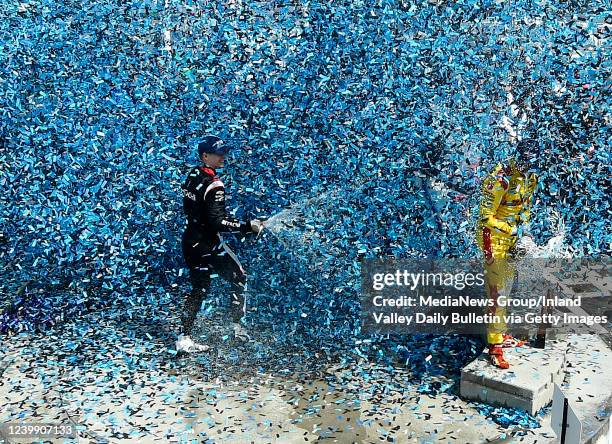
x: 505, y: 205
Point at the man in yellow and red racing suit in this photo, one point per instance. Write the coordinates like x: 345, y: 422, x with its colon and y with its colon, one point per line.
x: 504, y: 210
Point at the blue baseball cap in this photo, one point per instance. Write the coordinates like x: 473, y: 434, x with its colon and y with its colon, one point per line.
x: 212, y: 145
x: 529, y: 155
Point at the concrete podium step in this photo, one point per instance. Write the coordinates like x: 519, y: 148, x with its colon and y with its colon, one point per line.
x: 527, y: 384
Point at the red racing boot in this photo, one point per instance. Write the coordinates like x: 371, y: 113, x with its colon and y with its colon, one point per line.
x: 496, y: 356
x: 511, y: 342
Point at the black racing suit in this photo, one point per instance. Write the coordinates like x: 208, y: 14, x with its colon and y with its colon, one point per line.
x: 204, y: 250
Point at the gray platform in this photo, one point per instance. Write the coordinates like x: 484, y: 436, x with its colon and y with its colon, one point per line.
x: 527, y: 384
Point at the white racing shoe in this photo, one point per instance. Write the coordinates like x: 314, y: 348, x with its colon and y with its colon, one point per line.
x: 186, y: 344
x: 240, y: 332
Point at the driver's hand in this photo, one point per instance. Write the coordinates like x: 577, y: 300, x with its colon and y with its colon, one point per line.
x: 257, y: 226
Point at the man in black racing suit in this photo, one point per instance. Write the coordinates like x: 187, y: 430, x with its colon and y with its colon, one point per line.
x: 204, y: 250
